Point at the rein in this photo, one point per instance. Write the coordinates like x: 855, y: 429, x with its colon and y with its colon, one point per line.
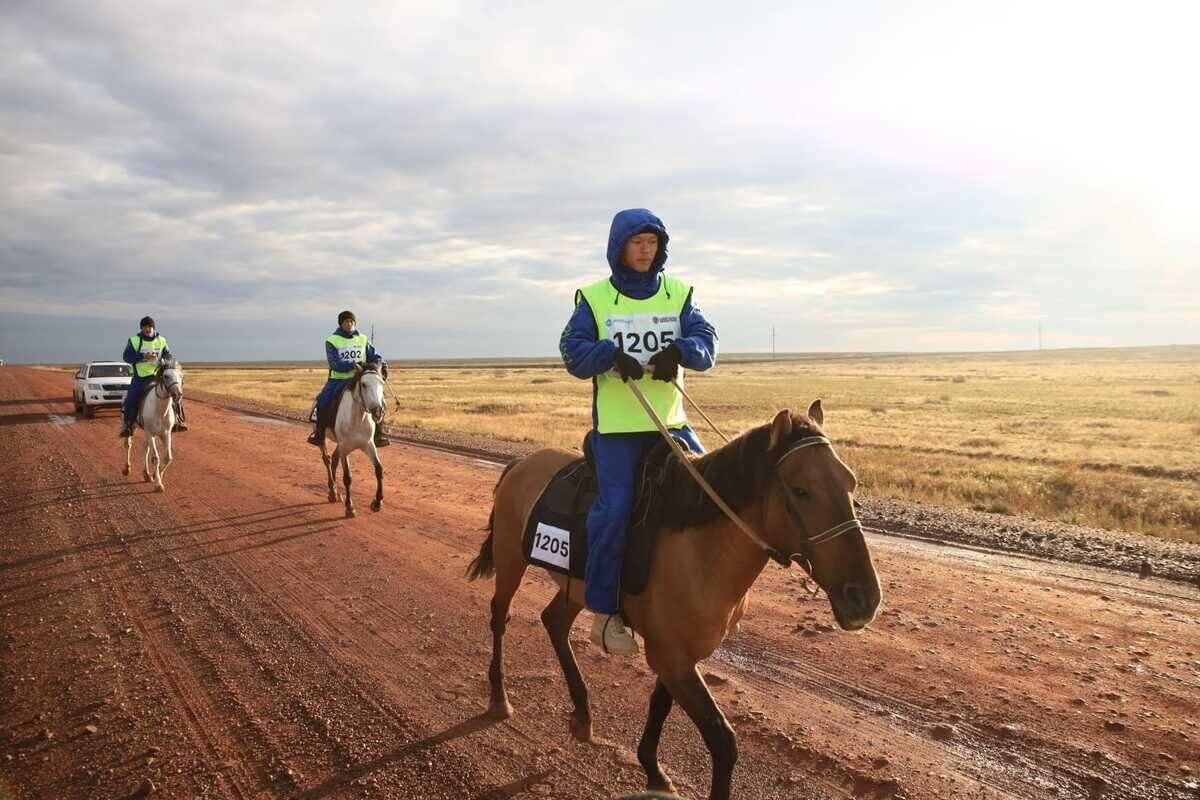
x: 791, y: 501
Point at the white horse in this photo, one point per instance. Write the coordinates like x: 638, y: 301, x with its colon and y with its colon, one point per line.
x: 361, y: 409
x: 156, y: 416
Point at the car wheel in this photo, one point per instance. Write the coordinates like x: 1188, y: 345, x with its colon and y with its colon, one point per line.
x: 88, y: 411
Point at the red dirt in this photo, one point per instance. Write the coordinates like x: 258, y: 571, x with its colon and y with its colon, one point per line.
x: 235, y: 637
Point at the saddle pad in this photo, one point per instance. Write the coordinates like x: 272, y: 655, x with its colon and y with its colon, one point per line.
x: 556, y: 535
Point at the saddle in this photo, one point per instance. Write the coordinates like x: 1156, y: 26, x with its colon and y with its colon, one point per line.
x: 556, y: 535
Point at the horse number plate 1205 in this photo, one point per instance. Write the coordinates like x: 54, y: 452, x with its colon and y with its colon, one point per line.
x: 552, y: 546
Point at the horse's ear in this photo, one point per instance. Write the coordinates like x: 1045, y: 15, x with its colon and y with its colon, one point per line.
x: 781, y: 426
x: 815, y: 413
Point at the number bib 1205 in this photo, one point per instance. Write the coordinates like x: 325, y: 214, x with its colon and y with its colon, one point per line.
x: 643, y: 335
x: 551, y: 545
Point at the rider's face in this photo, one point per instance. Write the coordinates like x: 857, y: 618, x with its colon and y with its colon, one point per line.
x: 348, y: 326
x: 148, y: 331
x: 640, y: 251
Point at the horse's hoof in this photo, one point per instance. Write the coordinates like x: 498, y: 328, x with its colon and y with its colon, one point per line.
x: 502, y: 710
x: 376, y: 505
x: 581, y: 729
x: 159, y: 488
x: 350, y: 513
x: 333, y: 498
x: 125, y: 470
x: 146, y: 477
x: 661, y: 784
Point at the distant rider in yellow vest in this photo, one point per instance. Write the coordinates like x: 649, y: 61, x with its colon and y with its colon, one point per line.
x: 143, y: 351
x: 344, y: 348
x: 640, y: 325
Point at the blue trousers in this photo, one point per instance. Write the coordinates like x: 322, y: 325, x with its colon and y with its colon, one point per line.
x: 617, y: 456
x: 328, y: 392
x: 133, y: 396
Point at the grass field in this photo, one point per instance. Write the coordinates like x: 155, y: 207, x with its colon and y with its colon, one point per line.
x: 1109, y: 438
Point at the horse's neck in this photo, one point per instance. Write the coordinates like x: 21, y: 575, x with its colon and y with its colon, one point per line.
x: 730, y: 560
x: 155, y: 406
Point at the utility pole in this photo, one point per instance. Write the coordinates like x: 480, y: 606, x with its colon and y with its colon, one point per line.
x: 373, y: 334
x: 772, y: 342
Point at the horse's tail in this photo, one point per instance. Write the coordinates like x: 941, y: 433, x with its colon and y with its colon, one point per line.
x: 484, y: 565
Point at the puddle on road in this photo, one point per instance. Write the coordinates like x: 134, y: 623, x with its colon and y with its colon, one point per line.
x: 61, y: 419
x: 266, y: 420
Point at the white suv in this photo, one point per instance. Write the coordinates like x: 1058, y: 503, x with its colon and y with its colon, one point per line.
x: 101, y: 383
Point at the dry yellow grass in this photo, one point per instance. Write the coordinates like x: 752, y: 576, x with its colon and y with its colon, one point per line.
x: 1104, y: 437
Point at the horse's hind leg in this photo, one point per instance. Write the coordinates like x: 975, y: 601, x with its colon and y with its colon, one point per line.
x: 373, y: 454
x: 346, y: 480
x: 558, y: 618
x: 128, y: 449
x: 660, y: 707
x: 507, y: 583
x: 156, y: 461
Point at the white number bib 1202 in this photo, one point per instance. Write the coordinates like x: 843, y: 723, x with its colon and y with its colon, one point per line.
x: 350, y: 354
x: 643, y: 335
x: 551, y: 545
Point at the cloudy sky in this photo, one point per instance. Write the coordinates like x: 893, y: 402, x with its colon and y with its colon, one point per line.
x: 862, y: 176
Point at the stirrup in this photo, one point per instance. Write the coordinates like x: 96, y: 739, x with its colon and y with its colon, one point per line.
x: 381, y: 439
x: 316, y: 437
x: 126, y: 432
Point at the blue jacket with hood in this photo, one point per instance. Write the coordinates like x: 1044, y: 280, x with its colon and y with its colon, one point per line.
x: 585, y: 354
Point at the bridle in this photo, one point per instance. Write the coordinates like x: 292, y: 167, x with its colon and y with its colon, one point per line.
x: 358, y: 388
x: 791, y: 504
x: 804, y: 556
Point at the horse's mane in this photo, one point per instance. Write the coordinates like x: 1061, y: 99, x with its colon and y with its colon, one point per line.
x: 360, y: 370
x: 737, y: 472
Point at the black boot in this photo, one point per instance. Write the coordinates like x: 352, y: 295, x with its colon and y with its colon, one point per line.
x: 381, y: 439
x: 126, y: 430
x: 317, y: 437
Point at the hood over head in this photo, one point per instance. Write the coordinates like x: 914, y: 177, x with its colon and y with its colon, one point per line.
x: 627, y: 224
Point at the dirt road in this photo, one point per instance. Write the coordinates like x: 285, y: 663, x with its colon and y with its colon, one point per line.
x: 235, y: 637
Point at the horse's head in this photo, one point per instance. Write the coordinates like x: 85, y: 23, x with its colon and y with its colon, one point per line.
x: 170, y: 376
x: 810, y: 516
x: 371, y: 379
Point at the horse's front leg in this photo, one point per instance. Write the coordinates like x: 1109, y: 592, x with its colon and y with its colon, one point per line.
x: 128, y: 450
x: 346, y: 480
x: 331, y: 465
x: 660, y: 707
x: 167, y: 457
x: 690, y: 691
x: 373, y: 454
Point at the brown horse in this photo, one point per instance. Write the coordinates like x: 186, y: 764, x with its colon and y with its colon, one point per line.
x: 784, y: 480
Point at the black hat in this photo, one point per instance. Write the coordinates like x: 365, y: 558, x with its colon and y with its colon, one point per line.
x: 147, y: 321
x: 346, y: 315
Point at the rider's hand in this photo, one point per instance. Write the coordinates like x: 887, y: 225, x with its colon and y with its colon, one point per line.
x: 150, y: 356
x: 666, y: 363
x: 627, y: 366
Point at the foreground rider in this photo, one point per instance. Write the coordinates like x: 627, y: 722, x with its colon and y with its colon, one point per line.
x: 639, y: 325
x: 344, y: 348
x: 143, y: 352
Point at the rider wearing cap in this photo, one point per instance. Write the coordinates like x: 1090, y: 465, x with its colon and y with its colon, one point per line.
x: 143, y: 351
x: 344, y: 348
x: 637, y: 324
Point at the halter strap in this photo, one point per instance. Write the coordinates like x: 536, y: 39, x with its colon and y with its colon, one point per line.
x: 829, y: 534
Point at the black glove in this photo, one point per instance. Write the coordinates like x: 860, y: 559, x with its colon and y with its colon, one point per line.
x: 627, y: 366
x: 383, y: 370
x: 666, y: 363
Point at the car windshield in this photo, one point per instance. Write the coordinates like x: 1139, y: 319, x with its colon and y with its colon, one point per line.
x: 109, y: 371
